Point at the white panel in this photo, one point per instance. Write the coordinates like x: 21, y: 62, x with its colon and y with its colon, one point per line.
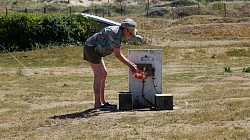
x: 143, y: 96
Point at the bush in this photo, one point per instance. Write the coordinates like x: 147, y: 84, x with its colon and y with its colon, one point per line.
x: 180, y: 3
x: 218, y: 5
x: 21, y: 32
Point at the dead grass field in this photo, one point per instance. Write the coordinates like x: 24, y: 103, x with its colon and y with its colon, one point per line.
x: 53, y: 98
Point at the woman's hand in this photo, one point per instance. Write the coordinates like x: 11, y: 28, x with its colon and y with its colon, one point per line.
x: 134, y: 68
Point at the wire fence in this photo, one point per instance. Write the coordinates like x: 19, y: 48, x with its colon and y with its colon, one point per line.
x: 146, y: 9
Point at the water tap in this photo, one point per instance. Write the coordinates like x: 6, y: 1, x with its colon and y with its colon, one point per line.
x: 141, y: 75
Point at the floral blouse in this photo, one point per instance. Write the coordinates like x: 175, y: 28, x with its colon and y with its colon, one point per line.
x: 104, y: 41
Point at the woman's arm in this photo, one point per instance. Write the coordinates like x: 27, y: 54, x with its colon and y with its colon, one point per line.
x: 124, y: 60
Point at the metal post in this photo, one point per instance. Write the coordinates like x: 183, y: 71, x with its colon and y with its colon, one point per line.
x: 109, y: 15
x: 25, y: 10
x: 121, y: 7
x: 147, y: 8
x: 225, y: 10
x: 6, y: 10
x: 199, y: 7
x: 70, y: 10
x: 173, y: 11
x: 124, y: 10
x: 95, y: 11
x: 103, y: 12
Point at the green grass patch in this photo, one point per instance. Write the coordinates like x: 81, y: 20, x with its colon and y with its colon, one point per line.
x: 239, y: 53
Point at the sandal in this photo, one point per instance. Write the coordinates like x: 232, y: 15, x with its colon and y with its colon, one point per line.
x: 110, y: 105
x: 107, y: 105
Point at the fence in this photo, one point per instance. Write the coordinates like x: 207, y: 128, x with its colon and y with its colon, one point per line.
x: 148, y: 9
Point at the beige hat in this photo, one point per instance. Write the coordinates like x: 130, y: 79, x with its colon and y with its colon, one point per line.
x: 130, y: 24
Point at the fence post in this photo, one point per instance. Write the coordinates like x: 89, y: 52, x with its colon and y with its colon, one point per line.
x: 6, y: 11
x: 173, y: 11
x: 103, y: 11
x: 25, y: 10
x: 199, y: 7
x: 44, y: 10
x: 225, y: 9
x: 147, y: 8
x: 121, y: 7
x: 124, y: 12
x: 70, y: 10
x: 109, y: 14
x: 95, y: 11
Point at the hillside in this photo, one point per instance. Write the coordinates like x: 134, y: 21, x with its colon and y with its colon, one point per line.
x: 165, y: 29
x: 156, y: 8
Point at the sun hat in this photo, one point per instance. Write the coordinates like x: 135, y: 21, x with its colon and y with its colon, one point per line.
x: 130, y: 24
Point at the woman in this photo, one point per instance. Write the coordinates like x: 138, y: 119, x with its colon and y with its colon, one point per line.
x: 104, y: 43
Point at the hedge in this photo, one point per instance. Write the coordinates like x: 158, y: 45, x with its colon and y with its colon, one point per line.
x: 22, y: 32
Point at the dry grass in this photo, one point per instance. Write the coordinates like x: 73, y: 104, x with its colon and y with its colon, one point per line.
x: 53, y: 99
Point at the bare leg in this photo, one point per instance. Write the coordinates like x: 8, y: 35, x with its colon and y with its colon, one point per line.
x: 104, y: 71
x: 100, y: 74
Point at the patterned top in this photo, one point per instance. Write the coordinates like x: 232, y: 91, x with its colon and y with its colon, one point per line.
x: 104, y: 41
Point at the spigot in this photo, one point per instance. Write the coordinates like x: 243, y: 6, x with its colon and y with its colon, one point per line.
x: 142, y: 74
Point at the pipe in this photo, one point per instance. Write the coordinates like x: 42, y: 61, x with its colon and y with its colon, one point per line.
x: 143, y: 95
x: 153, y: 78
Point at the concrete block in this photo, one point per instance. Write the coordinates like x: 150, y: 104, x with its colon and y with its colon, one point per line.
x: 164, y: 101
x: 125, y: 101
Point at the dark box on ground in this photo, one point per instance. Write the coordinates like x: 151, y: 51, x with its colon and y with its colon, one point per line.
x: 125, y: 101
x: 164, y: 101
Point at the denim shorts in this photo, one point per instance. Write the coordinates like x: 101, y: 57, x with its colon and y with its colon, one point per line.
x: 90, y: 55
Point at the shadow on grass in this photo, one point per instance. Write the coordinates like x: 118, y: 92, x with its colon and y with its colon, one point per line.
x: 85, y: 114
